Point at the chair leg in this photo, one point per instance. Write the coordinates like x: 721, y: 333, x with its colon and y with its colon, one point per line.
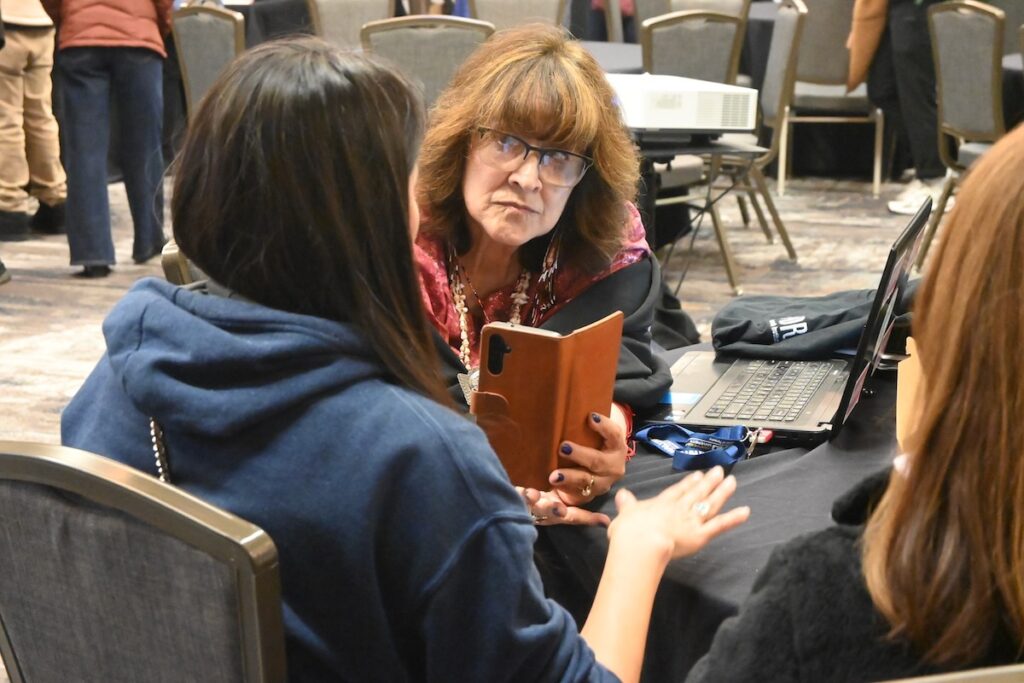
x: 723, y: 244
x: 759, y: 211
x: 876, y: 180
x: 933, y: 222
x: 783, y: 160
x: 744, y: 214
x: 762, y: 187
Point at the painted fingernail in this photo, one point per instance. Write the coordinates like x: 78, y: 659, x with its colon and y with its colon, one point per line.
x: 595, y: 417
x: 566, y: 449
x: 557, y: 511
x: 559, y: 477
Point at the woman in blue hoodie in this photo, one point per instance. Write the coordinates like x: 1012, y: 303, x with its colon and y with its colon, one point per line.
x: 299, y: 389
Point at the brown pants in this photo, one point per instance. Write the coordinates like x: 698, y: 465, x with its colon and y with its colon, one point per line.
x: 29, y: 138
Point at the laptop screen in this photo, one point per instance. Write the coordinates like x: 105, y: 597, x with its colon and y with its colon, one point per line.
x: 881, y: 319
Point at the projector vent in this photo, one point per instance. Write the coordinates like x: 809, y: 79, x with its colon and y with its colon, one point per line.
x: 734, y: 110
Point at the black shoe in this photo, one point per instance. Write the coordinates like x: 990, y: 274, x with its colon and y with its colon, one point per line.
x: 49, y: 220
x: 92, y: 272
x: 5, y: 275
x: 13, y: 226
x: 156, y: 251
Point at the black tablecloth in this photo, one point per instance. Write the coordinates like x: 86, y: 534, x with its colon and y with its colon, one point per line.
x: 790, y: 492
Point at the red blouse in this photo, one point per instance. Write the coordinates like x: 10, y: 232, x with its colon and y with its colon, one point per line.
x: 431, y: 260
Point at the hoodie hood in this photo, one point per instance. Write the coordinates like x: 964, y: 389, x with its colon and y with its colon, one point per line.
x: 212, y: 365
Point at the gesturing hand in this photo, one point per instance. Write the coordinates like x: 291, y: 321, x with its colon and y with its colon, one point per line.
x: 683, y: 518
x: 548, y: 509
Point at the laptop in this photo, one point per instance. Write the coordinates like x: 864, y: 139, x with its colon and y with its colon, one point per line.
x: 802, y: 402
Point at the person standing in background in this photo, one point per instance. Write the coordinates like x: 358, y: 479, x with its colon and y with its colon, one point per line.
x: 111, y: 50
x: 29, y: 137
x: 891, y: 47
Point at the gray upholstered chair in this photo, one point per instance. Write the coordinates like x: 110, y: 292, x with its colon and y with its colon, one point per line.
x: 747, y: 177
x: 694, y: 44
x: 340, y: 21
x: 820, y: 93
x: 967, y: 44
x: 178, y: 270
x: 1013, y: 673
x: 207, y: 39
x: 427, y: 49
x: 111, y: 575
x: 506, y: 13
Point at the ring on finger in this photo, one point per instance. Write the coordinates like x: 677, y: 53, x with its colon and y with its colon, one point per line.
x: 589, y: 488
x: 702, y: 508
x: 537, y: 519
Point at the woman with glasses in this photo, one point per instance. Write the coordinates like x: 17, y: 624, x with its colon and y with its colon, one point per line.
x: 526, y: 179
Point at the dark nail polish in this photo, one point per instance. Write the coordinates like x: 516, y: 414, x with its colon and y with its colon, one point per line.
x: 566, y: 449
x: 557, y: 512
x: 595, y: 417
x: 559, y: 477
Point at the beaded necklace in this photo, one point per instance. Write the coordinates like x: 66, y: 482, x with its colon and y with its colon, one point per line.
x: 457, y: 281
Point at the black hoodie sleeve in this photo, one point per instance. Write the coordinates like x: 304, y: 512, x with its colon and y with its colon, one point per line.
x: 642, y: 376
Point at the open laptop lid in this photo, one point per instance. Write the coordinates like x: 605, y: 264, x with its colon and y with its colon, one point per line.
x: 881, y: 319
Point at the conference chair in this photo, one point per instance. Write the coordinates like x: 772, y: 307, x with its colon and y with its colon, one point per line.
x: 967, y: 45
x: 507, y: 13
x: 993, y: 674
x: 820, y: 92
x: 340, y: 21
x: 694, y: 44
x: 746, y: 174
x: 111, y: 575
x: 178, y: 270
x: 207, y: 39
x: 427, y: 49
x: 737, y: 8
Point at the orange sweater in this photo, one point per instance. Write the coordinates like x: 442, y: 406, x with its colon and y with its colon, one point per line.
x: 865, y: 34
x: 111, y: 23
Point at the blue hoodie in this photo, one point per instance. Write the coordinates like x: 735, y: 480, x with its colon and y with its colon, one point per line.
x: 405, y: 552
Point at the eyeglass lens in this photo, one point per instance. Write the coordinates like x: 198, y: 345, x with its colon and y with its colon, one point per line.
x: 506, y: 152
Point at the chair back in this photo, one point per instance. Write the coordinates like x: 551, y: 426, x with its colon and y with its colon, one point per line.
x: 340, y: 21
x: 780, y: 72
x: 111, y: 575
x: 739, y: 8
x: 1014, y: 21
x: 427, y: 49
x: 695, y: 44
x: 824, y: 58
x: 967, y: 44
x: 207, y: 39
x: 506, y: 13
x: 649, y: 9
x: 613, y: 21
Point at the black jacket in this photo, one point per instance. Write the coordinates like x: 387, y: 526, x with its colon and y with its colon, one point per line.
x: 809, y: 616
x: 642, y: 376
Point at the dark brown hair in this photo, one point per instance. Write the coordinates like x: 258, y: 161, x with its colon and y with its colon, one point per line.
x: 537, y: 82
x: 944, y: 550
x: 292, y: 190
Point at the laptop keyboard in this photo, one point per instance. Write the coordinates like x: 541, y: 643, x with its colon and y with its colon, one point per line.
x: 777, y: 391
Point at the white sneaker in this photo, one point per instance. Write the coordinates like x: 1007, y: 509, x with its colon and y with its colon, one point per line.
x: 917, y: 191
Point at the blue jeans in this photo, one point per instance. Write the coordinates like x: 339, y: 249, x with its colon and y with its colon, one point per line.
x: 92, y: 77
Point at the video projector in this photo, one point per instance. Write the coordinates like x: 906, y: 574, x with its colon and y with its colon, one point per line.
x: 667, y: 110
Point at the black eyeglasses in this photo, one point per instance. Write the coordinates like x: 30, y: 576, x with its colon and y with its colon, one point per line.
x: 506, y: 152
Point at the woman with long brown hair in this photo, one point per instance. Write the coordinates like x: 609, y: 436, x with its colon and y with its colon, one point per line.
x: 299, y: 389
x: 931, y: 578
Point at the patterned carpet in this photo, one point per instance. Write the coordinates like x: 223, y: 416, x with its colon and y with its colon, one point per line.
x: 50, y: 334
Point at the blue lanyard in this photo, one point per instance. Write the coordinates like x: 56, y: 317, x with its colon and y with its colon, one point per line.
x: 692, y: 450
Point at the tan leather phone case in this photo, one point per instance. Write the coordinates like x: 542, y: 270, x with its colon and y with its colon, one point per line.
x: 538, y: 389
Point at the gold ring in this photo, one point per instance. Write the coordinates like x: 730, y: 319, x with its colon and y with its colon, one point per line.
x: 589, y: 488
x: 537, y: 519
